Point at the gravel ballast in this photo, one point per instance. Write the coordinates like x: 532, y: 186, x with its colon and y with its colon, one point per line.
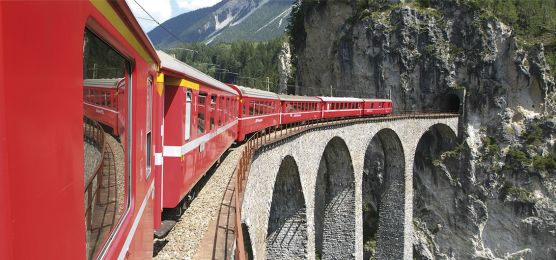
x: 183, y: 241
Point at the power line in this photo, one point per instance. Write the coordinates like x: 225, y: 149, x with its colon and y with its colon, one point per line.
x: 157, y: 22
x: 226, y: 71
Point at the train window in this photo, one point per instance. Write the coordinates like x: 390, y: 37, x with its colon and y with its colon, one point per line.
x: 201, y: 107
x: 265, y: 107
x: 252, y: 107
x: 106, y: 194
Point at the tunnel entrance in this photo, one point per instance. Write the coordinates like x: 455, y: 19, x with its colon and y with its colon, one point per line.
x: 383, y: 197
x: 287, y: 223
x: 434, y: 174
x: 335, y: 203
x: 448, y: 103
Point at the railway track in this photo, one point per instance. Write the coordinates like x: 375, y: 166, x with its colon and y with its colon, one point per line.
x: 220, y: 236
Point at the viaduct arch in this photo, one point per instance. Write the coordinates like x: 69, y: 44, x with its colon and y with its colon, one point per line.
x: 349, y: 168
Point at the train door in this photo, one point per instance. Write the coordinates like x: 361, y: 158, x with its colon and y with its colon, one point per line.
x: 188, y: 98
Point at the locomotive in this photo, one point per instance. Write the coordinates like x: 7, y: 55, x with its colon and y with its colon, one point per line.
x: 89, y: 61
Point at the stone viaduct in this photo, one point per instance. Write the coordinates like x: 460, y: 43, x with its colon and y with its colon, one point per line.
x: 313, y: 196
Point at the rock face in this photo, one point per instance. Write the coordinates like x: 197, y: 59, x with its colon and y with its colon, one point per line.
x: 284, y: 68
x: 489, y: 195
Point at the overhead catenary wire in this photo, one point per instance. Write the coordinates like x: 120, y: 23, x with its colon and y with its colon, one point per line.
x: 223, y: 70
x: 157, y: 22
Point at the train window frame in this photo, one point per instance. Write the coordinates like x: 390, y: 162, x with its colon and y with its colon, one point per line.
x: 98, y: 31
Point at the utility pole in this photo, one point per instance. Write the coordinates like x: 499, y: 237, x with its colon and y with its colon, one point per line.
x: 331, y: 90
x: 267, y: 84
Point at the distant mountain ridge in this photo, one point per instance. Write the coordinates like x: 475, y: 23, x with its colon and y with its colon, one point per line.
x: 227, y: 21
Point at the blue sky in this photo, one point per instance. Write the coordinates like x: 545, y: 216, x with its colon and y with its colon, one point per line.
x: 163, y: 10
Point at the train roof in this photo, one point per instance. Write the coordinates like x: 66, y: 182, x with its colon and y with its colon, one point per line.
x: 174, y: 65
x: 340, y: 99
x: 102, y: 83
x: 258, y: 93
x: 298, y: 98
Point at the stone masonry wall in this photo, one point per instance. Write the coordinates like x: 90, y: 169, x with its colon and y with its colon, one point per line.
x: 307, y: 150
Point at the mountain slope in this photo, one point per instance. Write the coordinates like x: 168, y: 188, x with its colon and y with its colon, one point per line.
x: 227, y: 21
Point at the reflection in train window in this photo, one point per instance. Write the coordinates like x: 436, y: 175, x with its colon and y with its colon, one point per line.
x: 106, y: 171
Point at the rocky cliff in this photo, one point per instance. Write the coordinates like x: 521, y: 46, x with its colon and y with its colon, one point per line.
x: 491, y: 194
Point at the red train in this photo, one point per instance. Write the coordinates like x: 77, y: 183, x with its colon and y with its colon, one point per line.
x: 167, y: 124
x: 100, y: 102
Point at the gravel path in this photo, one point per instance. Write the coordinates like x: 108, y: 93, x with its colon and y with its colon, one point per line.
x: 183, y: 240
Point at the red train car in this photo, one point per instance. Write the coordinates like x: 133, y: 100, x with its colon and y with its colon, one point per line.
x: 100, y: 102
x: 375, y: 107
x: 200, y: 115
x: 258, y: 110
x: 299, y: 108
x: 334, y: 107
x: 42, y: 156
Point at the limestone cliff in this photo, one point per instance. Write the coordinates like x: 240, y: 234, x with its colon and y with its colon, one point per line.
x: 493, y: 195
